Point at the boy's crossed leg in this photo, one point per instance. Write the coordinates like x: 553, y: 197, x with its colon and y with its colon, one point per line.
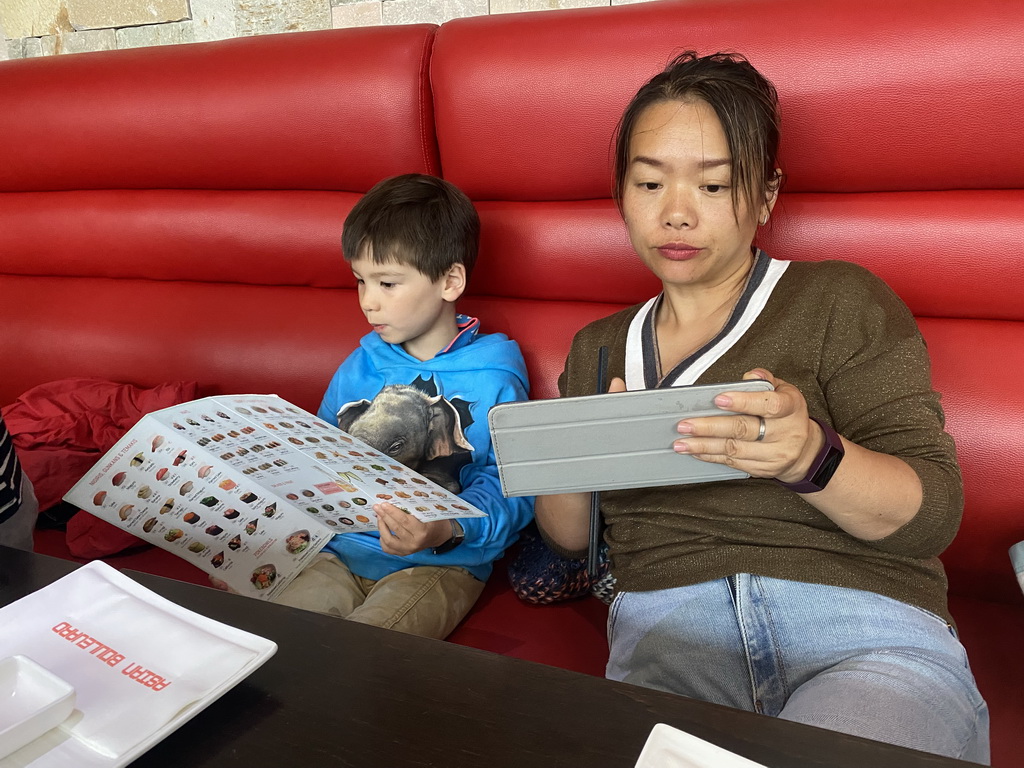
x: 428, y: 601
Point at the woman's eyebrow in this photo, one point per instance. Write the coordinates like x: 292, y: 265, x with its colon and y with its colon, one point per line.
x: 651, y: 161
x: 712, y: 162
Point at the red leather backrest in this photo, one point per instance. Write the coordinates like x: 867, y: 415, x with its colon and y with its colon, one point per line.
x: 876, y: 95
x: 335, y: 110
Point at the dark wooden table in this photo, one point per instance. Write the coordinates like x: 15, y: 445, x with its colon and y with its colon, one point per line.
x: 344, y: 694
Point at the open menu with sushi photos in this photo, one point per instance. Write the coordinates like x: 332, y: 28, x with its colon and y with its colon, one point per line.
x: 249, y: 487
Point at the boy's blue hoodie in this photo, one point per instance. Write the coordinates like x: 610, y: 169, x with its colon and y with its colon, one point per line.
x: 480, y: 370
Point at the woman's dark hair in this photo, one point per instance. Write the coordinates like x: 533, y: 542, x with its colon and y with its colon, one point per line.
x: 414, y: 219
x: 746, y: 104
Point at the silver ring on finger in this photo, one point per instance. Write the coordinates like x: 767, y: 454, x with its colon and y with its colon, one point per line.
x: 760, y: 429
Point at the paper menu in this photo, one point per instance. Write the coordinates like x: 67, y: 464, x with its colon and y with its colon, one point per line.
x: 250, y: 487
x: 140, y: 665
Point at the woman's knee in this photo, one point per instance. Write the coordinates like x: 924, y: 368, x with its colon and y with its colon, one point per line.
x: 908, y: 697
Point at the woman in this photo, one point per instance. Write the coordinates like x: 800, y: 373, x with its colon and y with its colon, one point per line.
x: 811, y: 591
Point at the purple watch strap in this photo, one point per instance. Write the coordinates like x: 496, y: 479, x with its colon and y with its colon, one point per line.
x: 824, y: 464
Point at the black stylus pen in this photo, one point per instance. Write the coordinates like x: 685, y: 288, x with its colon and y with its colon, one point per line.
x: 594, y: 544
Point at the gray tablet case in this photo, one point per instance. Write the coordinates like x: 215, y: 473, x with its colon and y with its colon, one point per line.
x: 605, y: 442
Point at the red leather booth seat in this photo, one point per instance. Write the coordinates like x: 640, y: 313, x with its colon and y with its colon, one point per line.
x: 175, y: 213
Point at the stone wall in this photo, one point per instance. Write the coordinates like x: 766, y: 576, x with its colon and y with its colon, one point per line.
x: 48, y: 27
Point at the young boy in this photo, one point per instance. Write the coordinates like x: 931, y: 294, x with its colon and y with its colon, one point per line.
x: 418, y: 388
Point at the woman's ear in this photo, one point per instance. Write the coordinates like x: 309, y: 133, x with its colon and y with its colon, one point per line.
x: 454, y: 283
x: 771, y: 198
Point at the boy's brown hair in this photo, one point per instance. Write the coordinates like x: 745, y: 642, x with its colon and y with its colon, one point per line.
x: 414, y: 219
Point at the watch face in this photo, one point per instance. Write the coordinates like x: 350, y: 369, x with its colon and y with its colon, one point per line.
x: 828, y: 468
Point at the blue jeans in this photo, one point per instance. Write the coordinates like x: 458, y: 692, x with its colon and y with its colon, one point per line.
x: 841, y: 659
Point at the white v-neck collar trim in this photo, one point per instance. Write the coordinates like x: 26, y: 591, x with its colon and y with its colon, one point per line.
x: 748, y: 313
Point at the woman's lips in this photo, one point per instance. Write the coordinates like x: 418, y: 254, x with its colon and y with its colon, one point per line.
x: 678, y: 251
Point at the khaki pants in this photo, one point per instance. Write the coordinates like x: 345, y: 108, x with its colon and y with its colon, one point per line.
x: 425, y: 600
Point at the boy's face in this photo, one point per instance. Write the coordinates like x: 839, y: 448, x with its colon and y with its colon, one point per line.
x: 403, y: 306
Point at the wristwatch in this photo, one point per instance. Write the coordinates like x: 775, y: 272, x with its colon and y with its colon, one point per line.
x: 457, y: 536
x: 824, y: 465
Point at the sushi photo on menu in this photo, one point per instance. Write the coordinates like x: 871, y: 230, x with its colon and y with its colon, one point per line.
x: 250, y: 487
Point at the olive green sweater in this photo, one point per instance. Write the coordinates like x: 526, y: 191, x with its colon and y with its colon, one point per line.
x: 848, y: 343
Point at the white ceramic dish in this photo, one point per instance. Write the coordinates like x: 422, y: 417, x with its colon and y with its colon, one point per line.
x: 32, y: 701
x: 668, y: 747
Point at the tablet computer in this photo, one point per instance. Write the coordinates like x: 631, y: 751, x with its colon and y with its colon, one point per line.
x: 605, y: 442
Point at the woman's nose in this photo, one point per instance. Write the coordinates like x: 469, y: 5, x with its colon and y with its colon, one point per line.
x: 678, y: 211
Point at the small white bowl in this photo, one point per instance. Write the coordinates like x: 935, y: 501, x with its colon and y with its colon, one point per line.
x: 32, y: 701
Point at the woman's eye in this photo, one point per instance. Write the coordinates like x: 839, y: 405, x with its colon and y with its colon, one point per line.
x: 650, y: 185
x: 387, y: 285
x: 714, y: 188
